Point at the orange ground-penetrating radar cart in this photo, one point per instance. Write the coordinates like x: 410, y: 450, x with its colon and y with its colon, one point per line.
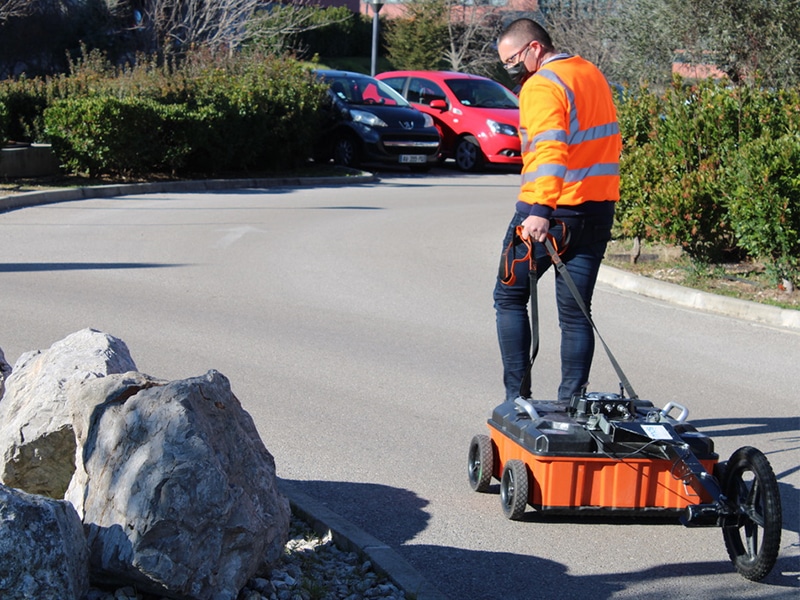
x: 616, y: 454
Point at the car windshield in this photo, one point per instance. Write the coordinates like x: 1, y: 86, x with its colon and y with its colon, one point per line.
x: 362, y: 90
x: 482, y: 93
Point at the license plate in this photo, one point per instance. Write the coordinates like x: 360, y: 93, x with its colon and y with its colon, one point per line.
x: 412, y: 158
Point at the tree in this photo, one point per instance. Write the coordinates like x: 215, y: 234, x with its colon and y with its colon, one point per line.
x: 581, y: 27
x: 642, y: 44
x: 415, y: 42
x: 179, y: 25
x: 472, y: 29
x: 37, y: 35
x: 279, y: 29
x: 10, y: 9
x: 749, y: 40
x: 458, y: 35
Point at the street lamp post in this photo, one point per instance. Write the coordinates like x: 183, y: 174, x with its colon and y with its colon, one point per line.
x: 377, y: 5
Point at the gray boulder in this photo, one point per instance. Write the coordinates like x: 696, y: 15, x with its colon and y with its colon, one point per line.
x: 176, y: 489
x: 43, y: 552
x: 37, y: 442
x: 5, y: 371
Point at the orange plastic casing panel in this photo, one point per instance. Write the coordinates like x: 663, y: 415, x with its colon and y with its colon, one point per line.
x: 571, y: 482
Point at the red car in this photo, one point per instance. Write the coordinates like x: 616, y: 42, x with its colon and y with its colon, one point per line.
x: 477, y: 117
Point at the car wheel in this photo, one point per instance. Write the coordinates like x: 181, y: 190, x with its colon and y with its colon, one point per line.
x: 346, y: 151
x: 468, y: 154
x: 514, y: 489
x: 480, y: 463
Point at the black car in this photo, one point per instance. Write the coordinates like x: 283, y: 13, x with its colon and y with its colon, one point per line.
x: 367, y: 121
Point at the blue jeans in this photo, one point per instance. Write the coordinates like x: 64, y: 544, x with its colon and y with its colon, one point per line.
x: 582, y: 258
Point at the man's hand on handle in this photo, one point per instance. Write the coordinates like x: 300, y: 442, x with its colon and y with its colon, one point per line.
x: 535, y: 228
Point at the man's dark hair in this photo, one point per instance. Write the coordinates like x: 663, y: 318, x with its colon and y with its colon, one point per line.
x: 528, y: 30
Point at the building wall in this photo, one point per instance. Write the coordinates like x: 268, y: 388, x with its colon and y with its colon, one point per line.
x: 354, y: 5
x: 697, y: 71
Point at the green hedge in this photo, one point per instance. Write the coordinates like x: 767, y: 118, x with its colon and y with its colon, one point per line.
x: 763, y: 202
x: 25, y: 101
x: 713, y: 169
x: 210, y: 114
x: 260, y: 116
x: 123, y: 136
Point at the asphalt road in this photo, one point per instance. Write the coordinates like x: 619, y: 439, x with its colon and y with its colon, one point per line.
x: 356, y: 326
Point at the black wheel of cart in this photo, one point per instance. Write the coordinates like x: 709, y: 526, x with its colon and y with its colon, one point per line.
x: 514, y: 489
x: 753, y: 539
x: 481, y: 463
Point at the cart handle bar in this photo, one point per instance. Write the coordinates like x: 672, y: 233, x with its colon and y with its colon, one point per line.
x: 670, y: 405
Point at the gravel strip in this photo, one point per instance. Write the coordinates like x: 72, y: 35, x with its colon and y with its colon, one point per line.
x: 312, y: 568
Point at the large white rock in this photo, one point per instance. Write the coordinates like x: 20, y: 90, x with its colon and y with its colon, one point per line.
x: 37, y: 442
x: 5, y: 371
x: 176, y: 490
x: 43, y: 552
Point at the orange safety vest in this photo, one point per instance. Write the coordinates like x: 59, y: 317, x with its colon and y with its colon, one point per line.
x: 570, y: 137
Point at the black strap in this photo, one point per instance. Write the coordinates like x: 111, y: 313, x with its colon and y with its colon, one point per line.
x: 534, y: 301
x: 562, y: 269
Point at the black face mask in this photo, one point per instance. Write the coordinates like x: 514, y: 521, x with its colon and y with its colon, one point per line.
x: 519, y: 73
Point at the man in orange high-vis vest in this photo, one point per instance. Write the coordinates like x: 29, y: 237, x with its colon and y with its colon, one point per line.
x: 570, y: 176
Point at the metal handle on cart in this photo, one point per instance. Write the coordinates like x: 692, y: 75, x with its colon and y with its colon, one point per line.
x: 527, y: 407
x: 670, y: 405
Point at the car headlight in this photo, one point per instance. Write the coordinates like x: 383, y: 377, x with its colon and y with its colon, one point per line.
x: 427, y: 120
x: 367, y: 118
x: 502, y: 128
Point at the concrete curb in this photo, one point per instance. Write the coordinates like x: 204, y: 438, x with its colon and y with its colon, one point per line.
x: 26, y: 199
x: 347, y: 536
x: 689, y: 298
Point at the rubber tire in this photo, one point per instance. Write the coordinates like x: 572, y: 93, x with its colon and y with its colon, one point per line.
x: 480, y: 464
x: 750, y: 485
x: 346, y: 151
x: 514, y: 489
x: 468, y: 154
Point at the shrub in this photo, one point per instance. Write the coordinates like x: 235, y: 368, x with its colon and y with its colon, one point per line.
x: 677, y: 150
x: 106, y: 135
x: 3, y: 123
x: 207, y: 115
x: 638, y: 113
x: 675, y: 147
x: 25, y: 100
x: 261, y: 114
x: 763, y: 200
x: 641, y: 170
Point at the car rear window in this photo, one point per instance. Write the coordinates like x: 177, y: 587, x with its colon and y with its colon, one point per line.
x: 482, y: 93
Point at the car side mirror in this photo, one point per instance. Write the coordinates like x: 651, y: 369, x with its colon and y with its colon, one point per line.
x: 438, y: 104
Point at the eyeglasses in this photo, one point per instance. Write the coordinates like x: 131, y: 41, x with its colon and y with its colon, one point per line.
x: 508, y: 64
